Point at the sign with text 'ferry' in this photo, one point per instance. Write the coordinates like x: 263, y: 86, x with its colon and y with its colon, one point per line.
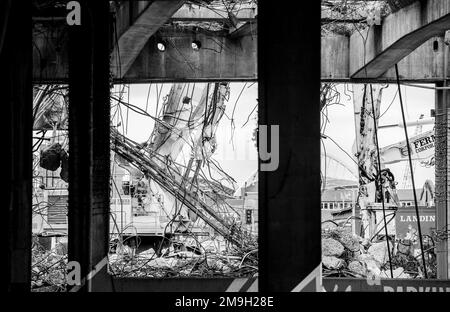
x: 422, y: 148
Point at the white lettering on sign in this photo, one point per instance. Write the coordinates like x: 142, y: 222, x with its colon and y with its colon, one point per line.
x: 414, y: 218
x: 416, y: 289
x: 424, y: 143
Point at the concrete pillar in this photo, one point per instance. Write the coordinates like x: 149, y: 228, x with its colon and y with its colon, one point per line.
x: 89, y: 147
x: 442, y: 157
x: 17, y: 105
x: 289, y: 197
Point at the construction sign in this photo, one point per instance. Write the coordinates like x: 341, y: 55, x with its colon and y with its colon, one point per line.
x: 406, y: 221
x: 422, y: 148
x: 341, y: 284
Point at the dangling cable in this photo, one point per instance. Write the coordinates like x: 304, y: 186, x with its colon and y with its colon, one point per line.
x: 412, y: 173
x: 381, y: 184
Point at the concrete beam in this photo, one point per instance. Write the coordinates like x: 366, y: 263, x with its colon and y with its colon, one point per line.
x: 126, y: 14
x: 190, y: 13
x: 220, y: 57
x: 335, y: 57
x: 136, y: 36
x: 379, y: 48
x: 422, y: 65
x: 248, y: 29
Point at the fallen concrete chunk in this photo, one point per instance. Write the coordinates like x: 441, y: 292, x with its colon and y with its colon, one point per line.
x: 357, y: 253
x: 357, y: 267
x: 365, y: 243
x: 333, y: 263
x: 347, y: 239
x: 372, y: 265
x: 331, y: 247
x: 328, y: 226
x: 163, y: 262
x: 365, y: 256
x: 397, y: 273
x: 380, y: 252
x: 405, y: 247
x: 216, y: 264
x: 187, y: 254
x: 61, y: 249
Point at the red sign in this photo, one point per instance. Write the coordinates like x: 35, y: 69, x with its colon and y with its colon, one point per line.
x: 406, y: 221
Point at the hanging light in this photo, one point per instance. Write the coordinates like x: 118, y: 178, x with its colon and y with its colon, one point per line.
x: 161, y: 45
x: 196, y: 45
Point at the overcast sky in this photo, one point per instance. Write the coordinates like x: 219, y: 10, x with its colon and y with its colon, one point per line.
x: 236, y: 153
x: 341, y: 128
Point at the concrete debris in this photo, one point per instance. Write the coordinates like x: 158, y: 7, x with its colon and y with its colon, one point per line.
x: 365, y: 243
x: 61, y: 249
x: 405, y: 247
x: 357, y: 267
x: 347, y: 255
x: 48, y: 269
x: 380, y: 252
x: 372, y: 266
x: 217, y: 260
x: 364, y: 257
x: 397, y: 273
x: 185, y: 255
x: 331, y: 247
x: 163, y: 263
x: 347, y: 239
x: 333, y: 263
x: 328, y: 226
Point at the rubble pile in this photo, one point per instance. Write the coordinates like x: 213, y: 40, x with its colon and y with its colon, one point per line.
x: 348, y: 255
x: 48, y: 269
x: 232, y: 262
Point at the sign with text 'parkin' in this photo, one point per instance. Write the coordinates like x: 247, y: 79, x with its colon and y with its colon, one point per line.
x: 422, y: 148
x: 343, y: 284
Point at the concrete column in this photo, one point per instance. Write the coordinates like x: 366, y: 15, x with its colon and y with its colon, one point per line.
x: 289, y: 197
x: 89, y: 147
x: 442, y: 157
x: 17, y: 104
